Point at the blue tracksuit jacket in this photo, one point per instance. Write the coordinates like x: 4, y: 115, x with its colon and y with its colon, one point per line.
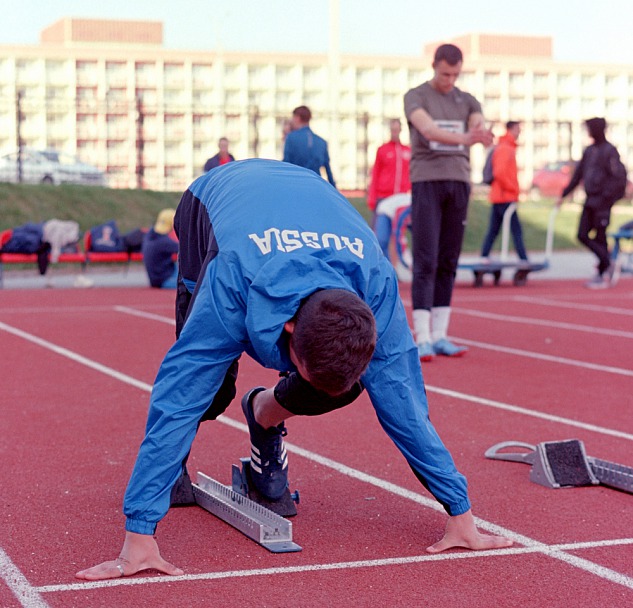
x: 305, y: 148
x: 281, y: 233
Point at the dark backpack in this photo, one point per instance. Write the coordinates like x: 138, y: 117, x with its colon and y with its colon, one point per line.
x: 617, y: 176
x: 487, y: 174
x: 133, y: 240
x: 106, y: 238
x: 25, y: 239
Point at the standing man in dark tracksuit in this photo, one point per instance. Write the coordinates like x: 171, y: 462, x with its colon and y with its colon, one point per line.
x: 284, y: 269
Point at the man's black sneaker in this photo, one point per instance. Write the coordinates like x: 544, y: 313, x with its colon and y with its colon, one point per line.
x: 269, y: 460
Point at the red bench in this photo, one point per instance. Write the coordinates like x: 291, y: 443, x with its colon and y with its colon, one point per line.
x: 73, y: 257
x: 85, y: 257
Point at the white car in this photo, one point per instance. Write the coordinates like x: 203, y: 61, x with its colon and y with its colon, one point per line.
x: 49, y: 167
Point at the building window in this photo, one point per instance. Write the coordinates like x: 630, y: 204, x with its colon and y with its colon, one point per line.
x: 202, y: 74
x: 467, y: 80
x: 390, y: 80
x: 563, y: 80
x: 516, y: 79
x: 415, y: 77
x: 491, y: 79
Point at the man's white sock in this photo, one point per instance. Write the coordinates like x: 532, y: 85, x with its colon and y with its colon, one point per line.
x: 440, y: 316
x: 422, y: 325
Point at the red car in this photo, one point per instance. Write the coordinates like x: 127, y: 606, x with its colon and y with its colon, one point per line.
x: 553, y: 177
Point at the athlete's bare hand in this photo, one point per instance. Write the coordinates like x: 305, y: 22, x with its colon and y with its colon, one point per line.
x: 140, y: 552
x: 462, y: 532
x: 479, y: 136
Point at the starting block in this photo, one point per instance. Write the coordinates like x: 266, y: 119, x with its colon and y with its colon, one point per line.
x: 565, y: 464
x: 286, y: 506
x: 237, y: 506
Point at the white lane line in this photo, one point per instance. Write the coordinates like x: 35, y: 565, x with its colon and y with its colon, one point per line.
x: 145, y: 315
x: 55, y: 309
x: 573, y: 305
x: 526, y: 412
x: 450, y: 393
x: 373, y: 563
x: 544, y: 323
x: 505, y: 349
x: 64, y: 352
x: 71, y: 309
x: 551, y: 358
x: 354, y: 473
x: 27, y: 595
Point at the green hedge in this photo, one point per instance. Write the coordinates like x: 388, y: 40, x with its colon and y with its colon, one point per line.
x: 89, y: 206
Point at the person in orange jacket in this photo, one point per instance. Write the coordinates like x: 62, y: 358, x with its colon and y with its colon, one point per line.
x: 504, y: 191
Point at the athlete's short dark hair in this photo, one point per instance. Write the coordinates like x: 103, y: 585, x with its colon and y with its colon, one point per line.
x: 449, y: 53
x: 303, y: 112
x: 334, y: 337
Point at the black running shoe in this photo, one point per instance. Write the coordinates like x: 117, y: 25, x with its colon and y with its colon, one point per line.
x: 269, y: 460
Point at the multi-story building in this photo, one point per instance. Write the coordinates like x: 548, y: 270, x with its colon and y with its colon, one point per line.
x: 109, y: 92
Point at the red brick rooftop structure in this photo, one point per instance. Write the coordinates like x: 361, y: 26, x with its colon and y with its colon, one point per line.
x: 70, y: 31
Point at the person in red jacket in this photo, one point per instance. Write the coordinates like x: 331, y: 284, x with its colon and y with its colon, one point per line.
x: 504, y: 191
x: 389, y: 176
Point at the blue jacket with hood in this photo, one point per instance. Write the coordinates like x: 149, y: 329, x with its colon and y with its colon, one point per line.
x: 281, y: 233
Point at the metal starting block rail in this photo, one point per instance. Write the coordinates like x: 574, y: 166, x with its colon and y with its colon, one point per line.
x: 565, y: 464
x: 260, y: 524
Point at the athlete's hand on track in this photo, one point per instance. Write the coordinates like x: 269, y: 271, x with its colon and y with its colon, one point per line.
x: 461, y: 531
x: 140, y: 552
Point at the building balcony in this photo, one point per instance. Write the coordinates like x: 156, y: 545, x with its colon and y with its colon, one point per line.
x: 174, y: 133
x: 87, y: 78
x: 57, y: 131
x: 118, y: 132
x: 174, y: 81
x: 87, y: 131
x: 57, y: 78
x: 117, y: 81
x: 118, y: 157
x: 31, y: 79
x: 146, y: 80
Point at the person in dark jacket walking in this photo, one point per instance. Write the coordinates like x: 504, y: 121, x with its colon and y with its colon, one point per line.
x: 597, y: 169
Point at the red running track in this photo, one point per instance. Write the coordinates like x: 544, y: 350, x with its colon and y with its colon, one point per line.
x: 549, y: 361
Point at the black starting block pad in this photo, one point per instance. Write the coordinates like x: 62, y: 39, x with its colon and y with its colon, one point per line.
x: 565, y: 464
x: 242, y: 482
x: 521, y: 271
x: 254, y: 520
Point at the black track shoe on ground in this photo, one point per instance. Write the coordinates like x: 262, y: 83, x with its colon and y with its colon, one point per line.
x: 269, y: 461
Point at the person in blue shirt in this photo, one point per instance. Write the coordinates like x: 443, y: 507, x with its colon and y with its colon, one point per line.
x: 279, y: 265
x: 158, y: 252
x: 303, y: 147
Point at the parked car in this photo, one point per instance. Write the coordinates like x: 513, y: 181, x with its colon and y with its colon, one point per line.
x: 553, y: 177
x: 49, y: 167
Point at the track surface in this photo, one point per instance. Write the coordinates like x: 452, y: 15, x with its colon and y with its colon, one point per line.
x: 547, y: 362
